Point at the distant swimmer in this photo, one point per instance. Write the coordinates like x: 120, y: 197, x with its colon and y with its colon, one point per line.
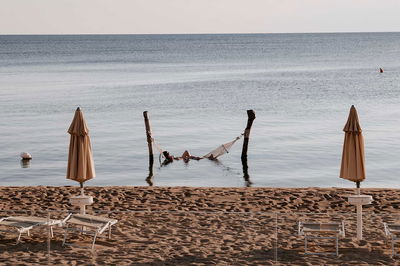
x: 380, y: 70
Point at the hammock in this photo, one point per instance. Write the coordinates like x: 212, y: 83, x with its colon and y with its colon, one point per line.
x: 214, y: 154
x: 221, y: 150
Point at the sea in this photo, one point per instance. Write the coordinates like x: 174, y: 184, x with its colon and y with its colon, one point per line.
x: 197, y: 89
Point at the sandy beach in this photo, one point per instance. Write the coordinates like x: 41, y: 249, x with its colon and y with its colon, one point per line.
x: 201, y: 226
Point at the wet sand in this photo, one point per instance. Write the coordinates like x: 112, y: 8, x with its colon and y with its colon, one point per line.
x: 201, y: 226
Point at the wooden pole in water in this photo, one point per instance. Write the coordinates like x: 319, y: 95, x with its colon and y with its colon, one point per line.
x: 251, y: 115
x: 246, y: 175
x: 149, y: 139
x: 149, y: 178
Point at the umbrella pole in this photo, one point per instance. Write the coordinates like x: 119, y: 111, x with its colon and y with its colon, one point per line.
x: 81, y: 186
x: 359, y: 222
x: 82, y: 200
x: 359, y: 200
x: 82, y: 206
x: 359, y: 216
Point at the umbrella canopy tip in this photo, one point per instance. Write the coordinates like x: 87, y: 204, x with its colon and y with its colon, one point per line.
x: 78, y: 109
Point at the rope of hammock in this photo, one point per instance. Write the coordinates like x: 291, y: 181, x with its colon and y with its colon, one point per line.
x: 160, y: 150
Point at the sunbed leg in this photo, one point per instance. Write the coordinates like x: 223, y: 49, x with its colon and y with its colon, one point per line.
x: 29, y: 234
x: 305, y: 244
x: 94, y: 240
x: 109, y: 232
x: 393, y: 251
x: 337, y: 245
x: 19, y: 237
x: 65, y: 236
x: 51, y: 231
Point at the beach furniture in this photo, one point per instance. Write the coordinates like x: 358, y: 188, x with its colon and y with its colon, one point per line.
x: 23, y: 224
x: 88, y: 224
x: 392, y: 232
x: 353, y: 164
x: 80, y: 166
x: 314, y: 230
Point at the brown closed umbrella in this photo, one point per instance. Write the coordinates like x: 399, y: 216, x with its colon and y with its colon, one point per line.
x: 80, y: 159
x: 353, y: 159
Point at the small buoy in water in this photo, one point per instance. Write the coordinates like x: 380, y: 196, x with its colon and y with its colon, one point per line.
x: 25, y: 156
x: 380, y: 70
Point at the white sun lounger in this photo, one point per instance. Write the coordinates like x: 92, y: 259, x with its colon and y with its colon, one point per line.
x: 88, y: 224
x: 313, y: 230
x: 23, y: 224
x: 392, y: 231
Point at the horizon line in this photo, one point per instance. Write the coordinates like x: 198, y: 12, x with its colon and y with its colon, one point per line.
x: 222, y: 33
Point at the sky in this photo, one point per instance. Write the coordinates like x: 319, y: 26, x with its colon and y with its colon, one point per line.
x: 196, y: 16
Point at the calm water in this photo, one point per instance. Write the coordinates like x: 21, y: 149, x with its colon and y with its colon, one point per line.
x: 197, y: 89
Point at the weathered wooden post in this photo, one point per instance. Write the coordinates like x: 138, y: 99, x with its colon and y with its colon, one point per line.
x: 246, y: 175
x: 149, y: 138
x: 251, y: 116
x: 150, y: 146
x: 149, y: 178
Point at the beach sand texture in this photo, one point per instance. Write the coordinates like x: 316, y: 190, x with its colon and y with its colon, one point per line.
x: 201, y: 226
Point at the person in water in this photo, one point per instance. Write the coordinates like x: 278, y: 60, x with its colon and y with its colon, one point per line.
x: 168, y: 158
x: 186, y: 157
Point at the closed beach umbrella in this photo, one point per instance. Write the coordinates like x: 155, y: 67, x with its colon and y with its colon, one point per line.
x: 353, y: 159
x: 80, y: 159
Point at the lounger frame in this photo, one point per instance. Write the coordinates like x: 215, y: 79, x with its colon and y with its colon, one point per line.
x: 392, y: 234
x: 94, y: 229
x: 23, y: 224
x: 309, y: 229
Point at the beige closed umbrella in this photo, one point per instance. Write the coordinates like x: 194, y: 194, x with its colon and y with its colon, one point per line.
x: 353, y: 158
x: 353, y: 164
x: 80, y: 158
